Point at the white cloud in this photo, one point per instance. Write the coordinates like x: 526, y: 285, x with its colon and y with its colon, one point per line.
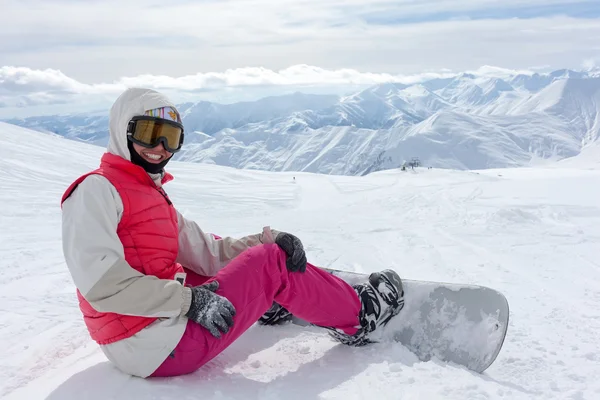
x: 591, y: 64
x: 44, y: 91
x: 25, y: 91
x: 13, y: 79
x: 47, y: 86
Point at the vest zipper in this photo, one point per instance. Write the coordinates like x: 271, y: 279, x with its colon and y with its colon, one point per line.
x: 162, y: 191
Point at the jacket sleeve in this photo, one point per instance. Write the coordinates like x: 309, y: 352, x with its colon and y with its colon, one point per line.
x: 204, y: 254
x: 96, y: 259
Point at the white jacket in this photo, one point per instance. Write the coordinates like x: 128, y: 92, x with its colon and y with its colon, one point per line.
x: 106, y: 280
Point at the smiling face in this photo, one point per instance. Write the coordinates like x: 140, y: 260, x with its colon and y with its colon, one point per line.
x: 154, y: 155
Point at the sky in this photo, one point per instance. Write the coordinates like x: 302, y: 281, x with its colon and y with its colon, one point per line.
x: 61, y: 56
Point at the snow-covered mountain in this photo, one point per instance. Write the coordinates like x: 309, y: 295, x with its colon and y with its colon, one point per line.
x: 203, y: 116
x: 91, y: 128
x: 210, y: 117
x: 465, y: 122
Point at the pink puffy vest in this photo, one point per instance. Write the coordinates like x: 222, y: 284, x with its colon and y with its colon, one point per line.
x: 149, y: 232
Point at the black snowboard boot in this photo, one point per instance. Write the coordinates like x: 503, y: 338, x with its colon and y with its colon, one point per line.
x: 275, y: 315
x: 381, y: 298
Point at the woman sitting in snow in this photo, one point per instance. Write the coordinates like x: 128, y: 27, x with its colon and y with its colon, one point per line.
x: 160, y: 296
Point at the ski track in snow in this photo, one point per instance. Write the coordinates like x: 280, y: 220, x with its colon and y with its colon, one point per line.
x: 531, y: 233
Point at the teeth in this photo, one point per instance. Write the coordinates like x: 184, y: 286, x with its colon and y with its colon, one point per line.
x: 153, y: 156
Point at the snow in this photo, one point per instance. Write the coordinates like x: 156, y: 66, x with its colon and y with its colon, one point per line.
x: 589, y: 158
x: 531, y: 233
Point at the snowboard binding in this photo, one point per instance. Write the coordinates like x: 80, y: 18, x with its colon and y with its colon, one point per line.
x: 381, y: 298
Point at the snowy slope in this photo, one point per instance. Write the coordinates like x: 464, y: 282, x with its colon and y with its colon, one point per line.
x: 532, y: 233
x: 466, y: 122
x: 589, y: 158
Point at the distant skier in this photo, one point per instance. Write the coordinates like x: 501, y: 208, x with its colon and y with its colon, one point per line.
x: 160, y: 296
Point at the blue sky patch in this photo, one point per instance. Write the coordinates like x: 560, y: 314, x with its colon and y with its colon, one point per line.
x: 395, y: 16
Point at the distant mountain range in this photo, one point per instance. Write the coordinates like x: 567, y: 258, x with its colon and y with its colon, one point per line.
x: 465, y: 122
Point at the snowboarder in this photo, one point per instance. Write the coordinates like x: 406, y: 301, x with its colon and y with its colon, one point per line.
x: 162, y: 297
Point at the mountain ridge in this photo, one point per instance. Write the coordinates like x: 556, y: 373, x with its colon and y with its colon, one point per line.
x: 464, y: 122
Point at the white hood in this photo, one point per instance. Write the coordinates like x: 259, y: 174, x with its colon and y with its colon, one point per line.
x: 132, y: 102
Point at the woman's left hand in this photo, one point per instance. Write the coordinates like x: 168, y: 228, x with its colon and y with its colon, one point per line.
x: 296, y: 261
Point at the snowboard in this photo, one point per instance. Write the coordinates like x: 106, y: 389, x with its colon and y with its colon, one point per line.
x: 455, y: 323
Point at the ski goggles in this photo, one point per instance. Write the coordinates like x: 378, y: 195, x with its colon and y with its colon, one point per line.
x: 150, y: 131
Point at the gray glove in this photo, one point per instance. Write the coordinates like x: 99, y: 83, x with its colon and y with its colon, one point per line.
x: 296, y: 261
x: 210, y: 310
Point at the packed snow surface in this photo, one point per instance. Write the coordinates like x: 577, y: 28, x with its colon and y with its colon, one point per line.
x: 531, y: 233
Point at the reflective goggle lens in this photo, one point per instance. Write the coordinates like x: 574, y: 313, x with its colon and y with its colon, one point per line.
x: 148, y: 131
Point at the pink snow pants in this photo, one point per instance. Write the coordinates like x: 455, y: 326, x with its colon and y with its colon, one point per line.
x: 252, y: 281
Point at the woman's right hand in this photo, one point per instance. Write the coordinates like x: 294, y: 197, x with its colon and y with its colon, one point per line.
x: 212, y: 311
